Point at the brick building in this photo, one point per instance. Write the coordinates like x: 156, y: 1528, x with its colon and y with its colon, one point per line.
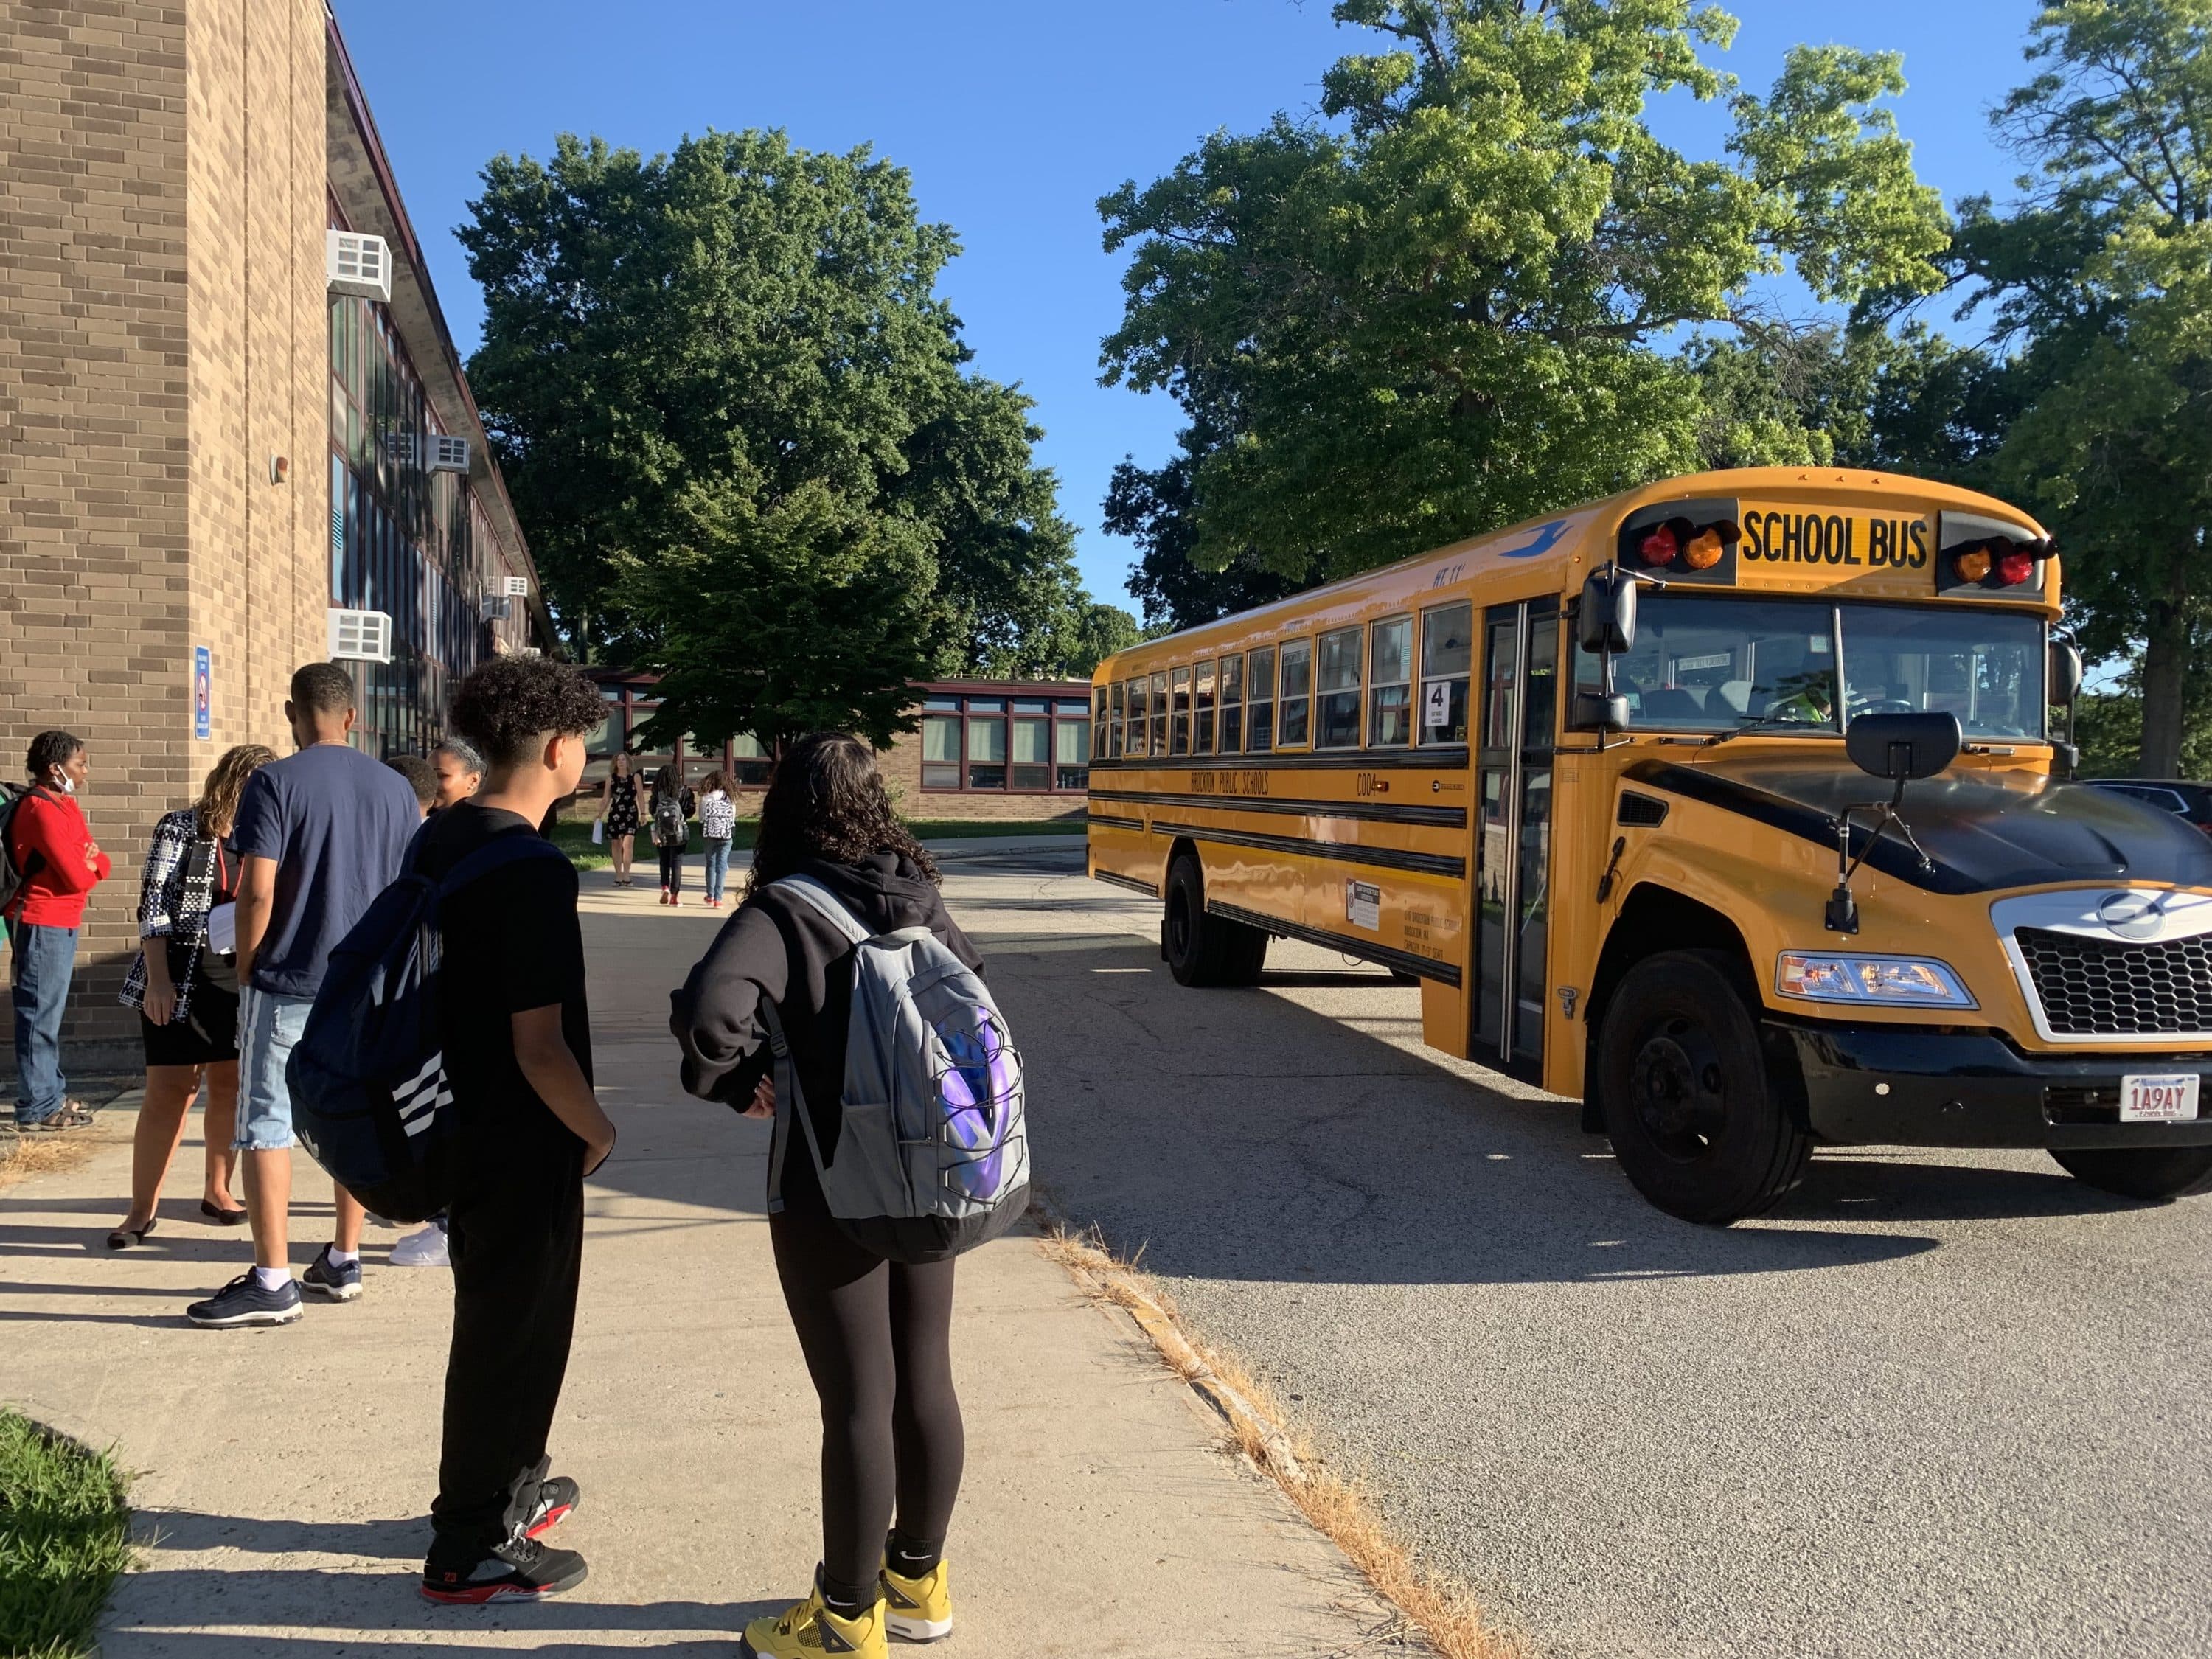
x: 234, y: 427
x: 985, y: 749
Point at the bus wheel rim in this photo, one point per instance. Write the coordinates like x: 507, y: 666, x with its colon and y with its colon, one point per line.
x: 1678, y: 1090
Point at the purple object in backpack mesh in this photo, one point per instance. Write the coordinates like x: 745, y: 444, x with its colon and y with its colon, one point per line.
x: 982, y: 1077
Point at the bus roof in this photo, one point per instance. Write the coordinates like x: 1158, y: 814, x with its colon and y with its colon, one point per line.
x: 1555, y: 549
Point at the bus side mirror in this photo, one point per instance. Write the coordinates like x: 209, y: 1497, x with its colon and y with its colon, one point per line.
x: 1606, y: 619
x: 1596, y: 711
x: 2065, y: 673
x: 1900, y: 748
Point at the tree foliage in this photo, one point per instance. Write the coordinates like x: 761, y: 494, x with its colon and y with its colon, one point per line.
x: 1432, y: 311
x: 735, y: 418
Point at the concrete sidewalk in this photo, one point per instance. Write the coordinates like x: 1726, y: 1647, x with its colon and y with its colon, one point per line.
x: 284, y: 1475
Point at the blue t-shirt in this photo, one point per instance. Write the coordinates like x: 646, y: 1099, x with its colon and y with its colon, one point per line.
x: 337, y: 824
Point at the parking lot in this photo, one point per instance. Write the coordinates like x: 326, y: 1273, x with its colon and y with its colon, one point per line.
x: 1940, y: 1402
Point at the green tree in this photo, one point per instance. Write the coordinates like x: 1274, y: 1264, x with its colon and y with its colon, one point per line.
x: 1436, y: 315
x: 739, y: 426
x: 2102, y: 275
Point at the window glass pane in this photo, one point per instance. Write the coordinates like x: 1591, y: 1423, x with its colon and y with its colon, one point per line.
x: 1447, y: 645
x: 1114, y: 716
x: 1066, y: 708
x: 746, y: 746
x: 940, y: 738
x: 1031, y: 777
x: 1232, y: 705
x: 1032, y: 705
x: 986, y: 705
x: 1390, y: 664
x: 948, y: 705
x: 1178, y: 705
x: 1033, y: 739
x: 986, y: 753
x: 1140, y: 718
x: 1261, y: 735
x: 1232, y: 680
x: 1501, y: 667
x: 1067, y: 741
x: 1202, y: 708
x: 1160, y: 715
x: 1707, y: 663
x: 1987, y: 670
x: 936, y: 774
x: 1543, y: 680
x: 1336, y: 719
x: 1297, y: 689
x: 1098, y: 724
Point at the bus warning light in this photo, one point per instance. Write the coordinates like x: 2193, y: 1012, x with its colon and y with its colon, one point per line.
x: 1659, y: 546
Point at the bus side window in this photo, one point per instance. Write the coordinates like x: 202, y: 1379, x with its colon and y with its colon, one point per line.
x: 1179, y: 729
x: 1337, y: 683
x: 1098, y: 724
x: 1202, y: 706
x: 1261, y: 737
x: 1160, y: 715
x: 1447, y: 644
x: 1114, y: 722
x: 1137, y: 720
x: 1298, y: 687
x: 1232, y: 701
x: 1389, y: 688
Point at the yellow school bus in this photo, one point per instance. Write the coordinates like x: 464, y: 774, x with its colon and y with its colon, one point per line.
x: 1729, y: 806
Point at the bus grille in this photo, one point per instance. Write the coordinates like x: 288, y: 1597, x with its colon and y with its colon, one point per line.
x: 2097, y: 988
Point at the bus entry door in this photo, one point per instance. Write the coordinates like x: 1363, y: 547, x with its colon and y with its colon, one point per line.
x: 1513, y: 840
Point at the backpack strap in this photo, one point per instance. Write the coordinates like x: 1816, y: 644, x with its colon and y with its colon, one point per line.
x: 497, y: 853
x: 840, y: 916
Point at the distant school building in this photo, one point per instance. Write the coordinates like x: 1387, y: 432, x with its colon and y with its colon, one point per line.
x: 234, y: 432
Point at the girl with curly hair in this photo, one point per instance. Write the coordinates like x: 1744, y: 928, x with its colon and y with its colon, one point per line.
x: 877, y: 1334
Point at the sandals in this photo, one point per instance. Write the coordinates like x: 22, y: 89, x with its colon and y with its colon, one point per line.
x: 130, y: 1238
x: 71, y: 1116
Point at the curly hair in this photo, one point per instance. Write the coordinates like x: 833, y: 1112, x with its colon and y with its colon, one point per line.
x: 506, y: 707
x: 827, y: 801
x: 217, y: 806
x: 50, y: 749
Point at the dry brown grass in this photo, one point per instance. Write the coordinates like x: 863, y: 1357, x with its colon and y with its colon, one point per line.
x: 1445, y: 1612
x: 22, y: 1157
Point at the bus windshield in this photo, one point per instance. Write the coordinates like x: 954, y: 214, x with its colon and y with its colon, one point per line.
x: 1705, y: 663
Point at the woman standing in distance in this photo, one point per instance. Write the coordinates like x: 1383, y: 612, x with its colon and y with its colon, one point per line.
x: 51, y: 847
x: 185, y: 990
x: 618, y: 812
x: 877, y: 1334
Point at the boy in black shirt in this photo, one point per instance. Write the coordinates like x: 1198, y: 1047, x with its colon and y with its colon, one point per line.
x: 518, y: 1053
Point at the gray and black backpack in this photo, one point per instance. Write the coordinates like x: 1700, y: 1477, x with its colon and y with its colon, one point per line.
x: 934, y: 1159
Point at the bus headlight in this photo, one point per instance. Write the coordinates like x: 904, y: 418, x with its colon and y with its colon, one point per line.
x: 1898, y: 982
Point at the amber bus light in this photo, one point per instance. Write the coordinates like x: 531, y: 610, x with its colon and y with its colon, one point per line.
x: 1916, y: 982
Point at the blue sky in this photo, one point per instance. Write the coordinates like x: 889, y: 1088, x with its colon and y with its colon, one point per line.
x: 1013, y: 116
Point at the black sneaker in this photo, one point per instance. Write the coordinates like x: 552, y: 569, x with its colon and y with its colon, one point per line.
x: 326, y: 1279
x: 243, y: 1302
x: 520, y: 1570
x: 557, y: 1498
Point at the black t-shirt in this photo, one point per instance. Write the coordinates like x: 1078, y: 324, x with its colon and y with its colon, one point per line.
x: 512, y: 943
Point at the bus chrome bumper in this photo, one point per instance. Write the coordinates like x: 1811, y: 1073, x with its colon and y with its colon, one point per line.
x: 1901, y: 1086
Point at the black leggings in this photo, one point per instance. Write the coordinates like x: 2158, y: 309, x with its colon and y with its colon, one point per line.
x: 672, y: 867
x: 878, y: 1337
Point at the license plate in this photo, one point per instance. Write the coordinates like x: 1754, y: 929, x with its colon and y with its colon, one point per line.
x: 2159, y: 1099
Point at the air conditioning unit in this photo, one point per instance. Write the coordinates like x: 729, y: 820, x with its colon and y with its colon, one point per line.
x: 357, y: 264
x: 497, y: 608
x: 515, y: 587
x: 360, y: 636
x: 448, y: 454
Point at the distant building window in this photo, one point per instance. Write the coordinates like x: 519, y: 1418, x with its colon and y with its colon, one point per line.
x: 1021, y: 745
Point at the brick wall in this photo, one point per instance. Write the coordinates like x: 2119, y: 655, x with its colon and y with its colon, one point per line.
x: 162, y: 334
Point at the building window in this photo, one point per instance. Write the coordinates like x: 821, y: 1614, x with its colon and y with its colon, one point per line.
x: 1261, y: 737
x: 940, y: 751
x: 1032, y: 766
x: 987, y: 743
x: 750, y: 761
x: 1232, y: 705
x: 1337, y: 685
x: 1203, y: 709
x: 1295, y: 703
x: 1447, y: 644
x: 1389, y: 683
x: 1022, y: 744
x: 1069, y: 769
x: 608, y: 738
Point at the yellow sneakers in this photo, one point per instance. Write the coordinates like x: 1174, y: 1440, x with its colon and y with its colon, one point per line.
x: 919, y: 1609
x: 810, y: 1628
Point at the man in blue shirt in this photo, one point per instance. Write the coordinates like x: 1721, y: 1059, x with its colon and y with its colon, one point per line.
x: 320, y: 834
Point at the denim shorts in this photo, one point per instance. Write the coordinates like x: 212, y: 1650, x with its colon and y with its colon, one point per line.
x: 268, y: 1027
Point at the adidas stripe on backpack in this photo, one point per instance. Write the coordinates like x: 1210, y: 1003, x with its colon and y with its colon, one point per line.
x: 367, y: 1078
x: 933, y: 1157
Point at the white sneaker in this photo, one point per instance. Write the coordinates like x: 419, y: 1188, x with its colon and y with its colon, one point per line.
x: 424, y: 1250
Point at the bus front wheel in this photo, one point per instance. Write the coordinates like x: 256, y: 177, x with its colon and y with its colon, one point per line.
x: 1202, y: 949
x: 1697, y: 1126
x: 2147, y: 1172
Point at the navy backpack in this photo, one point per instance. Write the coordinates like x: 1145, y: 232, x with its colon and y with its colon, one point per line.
x: 367, y: 1078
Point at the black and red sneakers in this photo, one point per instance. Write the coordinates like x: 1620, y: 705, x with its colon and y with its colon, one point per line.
x: 556, y: 1497
x: 519, y: 1570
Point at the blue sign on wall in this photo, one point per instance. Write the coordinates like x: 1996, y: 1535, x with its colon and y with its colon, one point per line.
x: 203, y: 693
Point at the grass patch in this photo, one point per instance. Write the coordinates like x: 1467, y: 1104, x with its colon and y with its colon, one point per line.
x: 573, y: 835
x: 64, y: 1535
x: 22, y: 1157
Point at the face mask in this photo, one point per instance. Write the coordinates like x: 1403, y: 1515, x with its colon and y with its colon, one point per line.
x: 64, y: 782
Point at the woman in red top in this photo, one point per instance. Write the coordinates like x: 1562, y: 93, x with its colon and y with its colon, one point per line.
x: 50, y: 844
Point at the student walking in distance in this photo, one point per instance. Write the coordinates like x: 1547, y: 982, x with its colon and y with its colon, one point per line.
x: 718, y: 823
x: 185, y: 985
x: 877, y: 1334
x: 618, y: 812
x: 672, y: 805
x: 320, y: 834
x: 516, y: 1035
x: 460, y: 772
x: 50, y: 846
x: 421, y: 777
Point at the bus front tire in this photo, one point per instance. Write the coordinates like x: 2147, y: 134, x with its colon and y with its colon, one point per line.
x: 1204, y: 950
x: 2145, y: 1172
x: 1696, y: 1124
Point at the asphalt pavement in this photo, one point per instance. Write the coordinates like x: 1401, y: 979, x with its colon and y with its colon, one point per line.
x: 1941, y: 1402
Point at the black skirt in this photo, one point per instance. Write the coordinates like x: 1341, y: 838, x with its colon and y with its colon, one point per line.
x: 206, y: 1035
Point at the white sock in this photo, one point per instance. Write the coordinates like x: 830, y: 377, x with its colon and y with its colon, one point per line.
x: 272, y: 1278
x: 342, y: 1258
